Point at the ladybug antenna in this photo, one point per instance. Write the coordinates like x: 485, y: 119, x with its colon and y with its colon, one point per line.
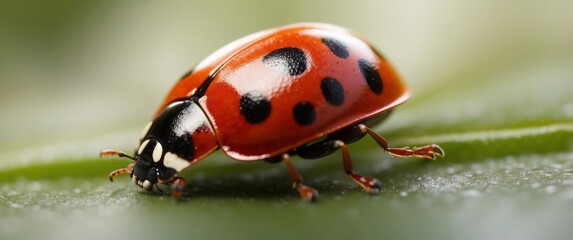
x: 105, y: 153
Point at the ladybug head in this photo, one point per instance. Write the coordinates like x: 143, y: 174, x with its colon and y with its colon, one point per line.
x: 146, y: 172
x: 177, y: 138
x: 149, y: 168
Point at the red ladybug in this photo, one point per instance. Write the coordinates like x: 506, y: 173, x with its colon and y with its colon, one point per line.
x: 304, y: 89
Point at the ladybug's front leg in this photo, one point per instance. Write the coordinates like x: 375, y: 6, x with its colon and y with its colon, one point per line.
x: 177, y: 187
x: 128, y: 169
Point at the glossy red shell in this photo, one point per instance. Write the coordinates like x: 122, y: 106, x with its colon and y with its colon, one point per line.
x: 238, y: 68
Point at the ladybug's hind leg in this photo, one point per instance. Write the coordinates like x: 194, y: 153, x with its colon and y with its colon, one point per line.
x: 308, y: 194
x: 428, y: 152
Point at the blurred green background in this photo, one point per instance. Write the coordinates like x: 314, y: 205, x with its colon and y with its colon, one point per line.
x: 492, y: 84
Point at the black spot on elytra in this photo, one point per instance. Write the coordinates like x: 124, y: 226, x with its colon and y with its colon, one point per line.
x: 255, y: 107
x: 332, y: 91
x: 304, y: 113
x: 371, y: 76
x: 337, y: 47
x: 289, y: 60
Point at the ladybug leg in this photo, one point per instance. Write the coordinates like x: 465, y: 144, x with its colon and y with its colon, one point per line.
x: 427, y: 152
x: 177, y: 187
x: 307, y: 194
x: 114, y: 174
x: 369, y: 184
x: 320, y: 149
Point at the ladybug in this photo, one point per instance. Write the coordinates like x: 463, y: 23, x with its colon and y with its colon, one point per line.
x: 304, y: 89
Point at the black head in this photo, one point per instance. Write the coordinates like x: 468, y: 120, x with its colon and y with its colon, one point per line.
x: 167, y: 145
x: 149, y: 167
x: 145, y: 172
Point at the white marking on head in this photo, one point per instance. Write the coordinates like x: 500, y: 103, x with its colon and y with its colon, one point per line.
x: 145, y: 130
x: 142, y: 146
x: 173, y: 161
x: 157, y: 152
x: 146, y: 184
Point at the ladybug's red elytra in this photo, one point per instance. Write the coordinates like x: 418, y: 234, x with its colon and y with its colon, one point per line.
x: 304, y: 89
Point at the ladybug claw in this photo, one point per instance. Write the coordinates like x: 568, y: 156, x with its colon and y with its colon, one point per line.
x: 429, y: 152
x: 370, y: 185
x: 307, y: 193
x: 438, y: 151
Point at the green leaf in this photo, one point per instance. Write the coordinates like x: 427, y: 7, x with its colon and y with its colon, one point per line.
x: 503, y: 180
